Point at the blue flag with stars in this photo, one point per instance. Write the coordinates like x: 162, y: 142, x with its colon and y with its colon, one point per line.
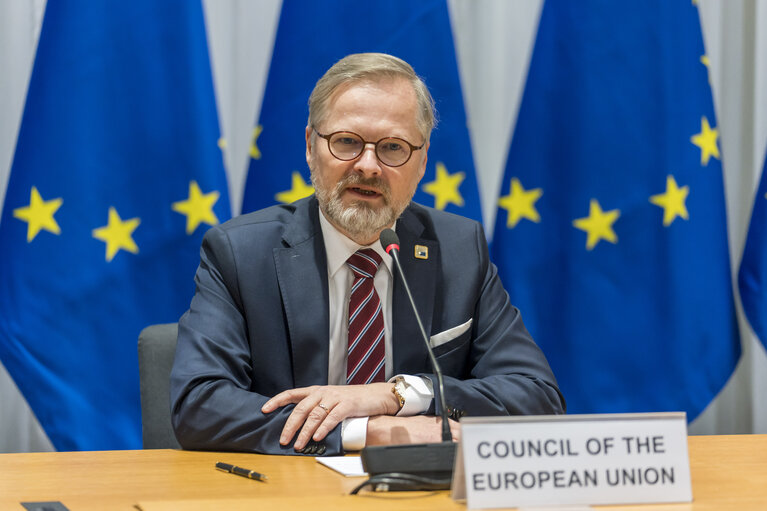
x: 311, y: 37
x: 611, y: 232
x: 752, y: 277
x: 116, y: 175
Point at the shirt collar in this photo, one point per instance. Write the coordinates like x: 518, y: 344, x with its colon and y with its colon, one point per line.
x: 338, y: 247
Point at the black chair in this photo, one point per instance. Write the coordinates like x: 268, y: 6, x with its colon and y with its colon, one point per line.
x: 156, y: 349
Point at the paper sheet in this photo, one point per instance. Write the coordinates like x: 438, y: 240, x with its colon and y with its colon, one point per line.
x: 350, y: 466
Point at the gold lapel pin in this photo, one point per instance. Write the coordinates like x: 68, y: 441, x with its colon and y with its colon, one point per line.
x: 421, y: 252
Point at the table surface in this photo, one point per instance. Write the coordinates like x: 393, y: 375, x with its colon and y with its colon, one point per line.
x: 728, y: 472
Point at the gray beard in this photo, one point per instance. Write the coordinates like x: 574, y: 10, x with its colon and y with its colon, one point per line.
x: 359, y: 219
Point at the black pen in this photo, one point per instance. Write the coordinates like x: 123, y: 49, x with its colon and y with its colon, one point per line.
x: 244, y: 472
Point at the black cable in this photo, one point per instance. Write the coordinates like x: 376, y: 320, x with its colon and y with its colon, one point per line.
x: 401, y: 481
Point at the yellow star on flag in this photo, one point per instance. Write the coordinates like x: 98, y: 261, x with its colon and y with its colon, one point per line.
x: 298, y: 190
x: 598, y: 225
x: 707, y: 141
x: 198, y: 207
x: 672, y: 201
x: 255, y: 152
x: 520, y: 203
x: 117, y: 234
x: 39, y: 214
x: 445, y: 187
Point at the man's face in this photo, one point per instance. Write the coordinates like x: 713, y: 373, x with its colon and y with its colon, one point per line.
x: 363, y: 196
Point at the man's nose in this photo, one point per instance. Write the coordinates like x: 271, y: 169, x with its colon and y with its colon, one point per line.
x: 368, y: 162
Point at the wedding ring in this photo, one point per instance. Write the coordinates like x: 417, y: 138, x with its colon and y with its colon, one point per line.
x: 327, y: 410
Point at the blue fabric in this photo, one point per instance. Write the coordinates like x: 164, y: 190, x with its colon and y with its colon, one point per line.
x: 640, y: 318
x: 752, y: 278
x: 311, y: 37
x: 120, y: 115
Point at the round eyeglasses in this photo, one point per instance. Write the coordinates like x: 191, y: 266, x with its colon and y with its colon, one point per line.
x: 391, y: 151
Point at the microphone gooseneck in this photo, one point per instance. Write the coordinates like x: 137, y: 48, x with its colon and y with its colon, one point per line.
x: 390, y: 243
x: 426, y: 466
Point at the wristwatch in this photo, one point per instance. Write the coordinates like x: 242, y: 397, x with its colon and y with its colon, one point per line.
x: 399, y: 390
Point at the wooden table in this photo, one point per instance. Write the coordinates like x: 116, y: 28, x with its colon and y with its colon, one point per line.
x: 728, y: 472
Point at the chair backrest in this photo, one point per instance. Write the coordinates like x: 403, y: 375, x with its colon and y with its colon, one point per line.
x: 156, y: 349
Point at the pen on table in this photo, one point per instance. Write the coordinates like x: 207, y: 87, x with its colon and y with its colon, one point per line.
x: 244, y: 472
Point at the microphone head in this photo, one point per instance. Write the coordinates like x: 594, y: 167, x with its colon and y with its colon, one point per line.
x: 389, y: 240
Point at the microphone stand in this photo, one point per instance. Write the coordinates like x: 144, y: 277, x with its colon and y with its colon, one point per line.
x: 446, y: 435
x: 416, y: 466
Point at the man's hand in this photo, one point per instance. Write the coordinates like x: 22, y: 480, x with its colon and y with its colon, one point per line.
x: 321, y: 408
x: 418, y: 429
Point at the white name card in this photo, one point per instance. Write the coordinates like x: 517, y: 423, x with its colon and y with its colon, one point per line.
x: 572, y: 460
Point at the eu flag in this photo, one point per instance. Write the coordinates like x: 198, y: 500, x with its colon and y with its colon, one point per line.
x: 752, y: 277
x: 311, y: 37
x: 611, y: 232
x: 115, y: 177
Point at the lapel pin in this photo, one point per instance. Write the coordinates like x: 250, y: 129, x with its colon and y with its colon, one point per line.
x: 421, y: 252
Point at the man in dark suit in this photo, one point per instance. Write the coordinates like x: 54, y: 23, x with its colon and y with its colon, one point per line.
x: 300, y: 337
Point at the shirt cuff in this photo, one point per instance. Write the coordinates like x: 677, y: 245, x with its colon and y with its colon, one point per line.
x: 354, y: 432
x: 418, y: 394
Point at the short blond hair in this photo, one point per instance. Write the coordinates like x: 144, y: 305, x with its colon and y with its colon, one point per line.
x: 371, y: 66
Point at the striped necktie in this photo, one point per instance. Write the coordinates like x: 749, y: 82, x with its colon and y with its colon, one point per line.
x: 366, y: 353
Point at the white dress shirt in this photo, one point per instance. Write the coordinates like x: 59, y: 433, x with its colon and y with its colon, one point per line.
x: 418, y: 392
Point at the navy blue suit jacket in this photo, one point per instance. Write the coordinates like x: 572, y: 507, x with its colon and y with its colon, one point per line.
x: 258, y: 325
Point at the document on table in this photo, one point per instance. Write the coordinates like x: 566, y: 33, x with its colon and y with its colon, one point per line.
x: 350, y: 466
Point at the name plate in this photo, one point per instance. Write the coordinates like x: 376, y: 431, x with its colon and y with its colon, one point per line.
x: 572, y: 460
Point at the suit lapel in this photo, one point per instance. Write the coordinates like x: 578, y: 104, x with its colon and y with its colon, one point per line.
x: 303, y: 278
x: 409, y: 352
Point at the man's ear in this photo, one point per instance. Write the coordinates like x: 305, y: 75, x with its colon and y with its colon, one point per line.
x: 308, y: 146
x: 422, y: 169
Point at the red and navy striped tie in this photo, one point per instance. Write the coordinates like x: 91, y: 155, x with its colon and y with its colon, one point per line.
x: 366, y: 353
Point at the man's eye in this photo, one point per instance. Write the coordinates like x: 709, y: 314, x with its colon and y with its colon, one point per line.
x: 347, y: 141
x: 392, y: 146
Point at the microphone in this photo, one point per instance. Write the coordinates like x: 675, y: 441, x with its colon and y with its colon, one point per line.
x: 415, y: 466
x: 390, y: 243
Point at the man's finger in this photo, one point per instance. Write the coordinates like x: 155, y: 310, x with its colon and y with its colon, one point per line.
x: 315, y: 417
x: 296, y: 418
x: 333, y: 418
x: 285, y: 398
